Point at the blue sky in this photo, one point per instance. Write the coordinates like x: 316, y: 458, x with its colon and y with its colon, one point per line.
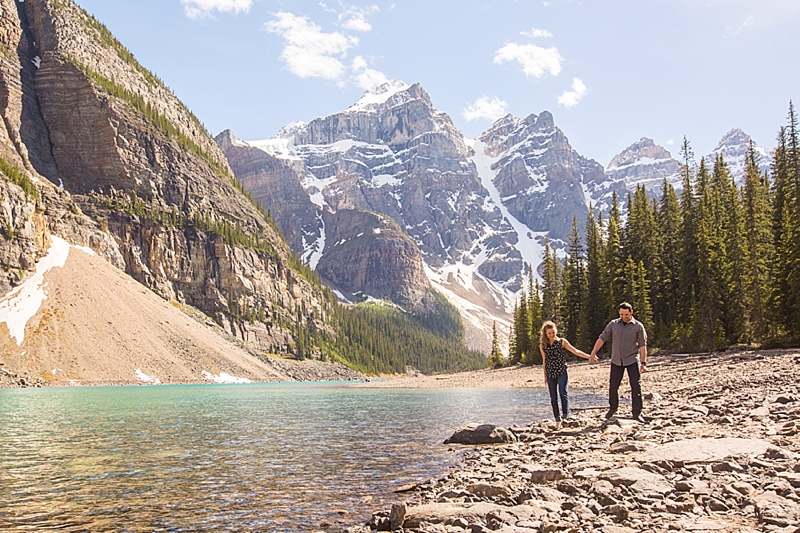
x: 610, y: 71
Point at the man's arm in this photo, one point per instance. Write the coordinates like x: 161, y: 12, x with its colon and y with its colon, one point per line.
x: 642, y: 358
x: 597, y: 345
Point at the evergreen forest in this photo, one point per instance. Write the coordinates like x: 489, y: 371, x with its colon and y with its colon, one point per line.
x: 714, y: 265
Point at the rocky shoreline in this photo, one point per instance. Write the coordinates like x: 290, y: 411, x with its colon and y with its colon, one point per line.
x: 287, y: 370
x: 720, y: 452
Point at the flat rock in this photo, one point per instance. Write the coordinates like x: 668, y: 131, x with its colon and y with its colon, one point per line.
x: 481, y: 434
x: 704, y: 450
x: 439, y: 513
x: 638, y: 479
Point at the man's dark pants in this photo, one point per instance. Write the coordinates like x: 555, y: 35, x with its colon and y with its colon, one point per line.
x: 636, y: 389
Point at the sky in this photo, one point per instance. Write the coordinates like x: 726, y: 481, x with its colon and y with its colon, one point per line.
x: 610, y: 71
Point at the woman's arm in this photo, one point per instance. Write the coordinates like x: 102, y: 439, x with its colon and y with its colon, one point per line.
x: 544, y: 368
x: 565, y: 343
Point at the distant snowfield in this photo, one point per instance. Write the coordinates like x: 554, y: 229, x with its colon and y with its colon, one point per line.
x: 22, y: 303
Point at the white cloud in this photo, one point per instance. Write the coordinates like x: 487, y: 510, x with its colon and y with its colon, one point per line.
x: 535, y: 60
x: 670, y: 142
x: 485, y: 107
x: 309, y: 52
x: 731, y: 30
x: 536, y: 32
x: 196, y: 9
x: 355, y: 18
x: 571, y: 98
x: 365, y: 77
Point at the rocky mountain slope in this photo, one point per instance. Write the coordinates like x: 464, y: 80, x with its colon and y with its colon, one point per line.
x: 95, y: 151
x: 97, y: 325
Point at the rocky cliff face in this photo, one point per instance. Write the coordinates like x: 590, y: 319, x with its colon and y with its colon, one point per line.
x: 162, y: 203
x: 392, y: 154
x: 370, y: 255
x: 540, y: 178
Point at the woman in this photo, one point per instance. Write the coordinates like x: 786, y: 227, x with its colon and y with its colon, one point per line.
x: 554, y: 363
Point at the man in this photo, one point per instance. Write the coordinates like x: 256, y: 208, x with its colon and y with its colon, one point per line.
x: 628, y: 353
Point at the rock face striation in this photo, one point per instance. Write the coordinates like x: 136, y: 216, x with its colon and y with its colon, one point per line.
x: 111, y: 159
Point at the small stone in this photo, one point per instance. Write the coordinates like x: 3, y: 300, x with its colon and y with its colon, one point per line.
x: 619, y: 512
x: 716, y: 505
x: 397, y: 516
x: 543, y: 475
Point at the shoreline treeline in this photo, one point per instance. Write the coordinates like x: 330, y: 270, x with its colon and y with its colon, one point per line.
x: 714, y: 265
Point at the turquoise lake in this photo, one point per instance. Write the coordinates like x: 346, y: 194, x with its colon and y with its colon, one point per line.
x: 255, y: 457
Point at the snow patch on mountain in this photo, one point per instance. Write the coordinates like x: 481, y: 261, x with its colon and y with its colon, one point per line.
x: 528, y: 242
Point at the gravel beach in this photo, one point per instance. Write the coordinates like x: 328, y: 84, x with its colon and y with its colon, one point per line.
x: 720, y: 451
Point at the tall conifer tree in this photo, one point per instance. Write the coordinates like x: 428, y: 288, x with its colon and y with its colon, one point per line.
x: 758, y: 252
x: 550, y: 286
x: 667, y: 288
x: 688, y: 261
x: 595, y: 309
x: 574, y: 284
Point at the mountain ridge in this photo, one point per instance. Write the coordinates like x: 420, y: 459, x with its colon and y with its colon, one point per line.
x: 523, y: 173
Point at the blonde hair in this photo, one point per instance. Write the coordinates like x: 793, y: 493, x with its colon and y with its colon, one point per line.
x: 548, y: 324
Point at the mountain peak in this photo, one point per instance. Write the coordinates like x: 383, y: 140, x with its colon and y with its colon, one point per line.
x: 643, y: 149
x: 734, y: 137
x: 379, y: 95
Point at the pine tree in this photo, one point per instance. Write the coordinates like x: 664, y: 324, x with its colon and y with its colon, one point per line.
x: 736, y: 304
x: 688, y: 258
x: 595, y: 308
x: 495, y: 359
x: 758, y: 252
x: 781, y: 224
x: 614, y: 276
x: 522, y: 328
x: 707, y: 310
x: 792, y: 226
x: 550, y: 286
x: 574, y: 284
x: 667, y: 285
x: 535, y: 312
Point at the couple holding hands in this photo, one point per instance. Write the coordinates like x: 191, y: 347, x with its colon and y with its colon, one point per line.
x: 628, y: 353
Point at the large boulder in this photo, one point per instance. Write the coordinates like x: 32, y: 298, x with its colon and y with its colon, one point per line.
x: 481, y: 434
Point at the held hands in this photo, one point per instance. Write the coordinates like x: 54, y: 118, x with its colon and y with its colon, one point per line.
x: 593, y: 358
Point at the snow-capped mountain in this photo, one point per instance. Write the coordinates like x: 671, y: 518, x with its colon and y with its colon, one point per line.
x: 644, y: 163
x: 387, y: 199
x: 542, y: 182
x: 733, y: 147
x: 476, y: 210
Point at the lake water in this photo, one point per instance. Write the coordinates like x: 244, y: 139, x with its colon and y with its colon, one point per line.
x: 256, y: 457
